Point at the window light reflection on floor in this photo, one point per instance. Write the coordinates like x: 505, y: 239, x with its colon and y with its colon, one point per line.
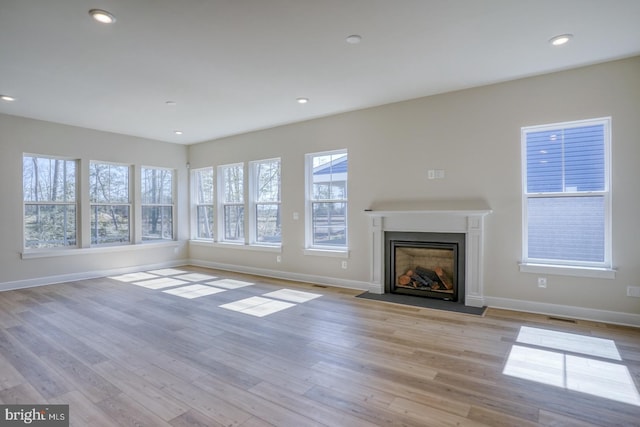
x: 572, y: 361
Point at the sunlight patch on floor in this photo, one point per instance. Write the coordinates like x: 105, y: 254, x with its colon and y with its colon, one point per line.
x: 132, y: 277
x: 257, y: 306
x: 572, y: 361
x: 172, y: 281
x: 193, y: 291
x: 160, y: 283
x: 167, y: 272
x: 229, y: 284
x: 574, y: 343
x: 292, y: 295
x: 195, y: 277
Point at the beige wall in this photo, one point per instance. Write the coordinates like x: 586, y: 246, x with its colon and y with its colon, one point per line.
x: 474, y: 135
x: 18, y: 136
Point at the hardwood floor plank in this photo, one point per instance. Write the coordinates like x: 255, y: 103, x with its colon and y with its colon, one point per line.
x: 193, y: 418
x: 307, y: 407
x: 47, y: 383
x: 127, y: 412
x: 121, y: 354
x: 82, y: 411
x: 138, y: 389
x: 53, y: 333
x: 20, y: 394
x: 256, y: 405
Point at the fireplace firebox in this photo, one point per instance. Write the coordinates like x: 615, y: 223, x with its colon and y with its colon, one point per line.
x: 425, y: 264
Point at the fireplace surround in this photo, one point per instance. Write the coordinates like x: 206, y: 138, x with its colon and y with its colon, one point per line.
x: 431, y: 264
x: 465, y: 217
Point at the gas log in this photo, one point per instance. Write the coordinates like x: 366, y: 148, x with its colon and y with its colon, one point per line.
x: 423, y: 278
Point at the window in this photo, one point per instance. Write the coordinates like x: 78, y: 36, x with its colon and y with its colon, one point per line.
x: 265, y: 202
x: 202, y: 181
x: 49, y: 193
x: 157, y: 204
x: 566, y: 201
x: 231, y: 194
x: 327, y: 200
x: 110, y: 207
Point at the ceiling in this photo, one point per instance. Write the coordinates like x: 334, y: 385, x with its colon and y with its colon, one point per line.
x: 234, y: 66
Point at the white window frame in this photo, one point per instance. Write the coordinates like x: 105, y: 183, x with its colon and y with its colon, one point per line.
x: 74, y: 203
x: 160, y: 205
x: 222, y: 203
x: 128, y: 204
x: 254, y: 203
x: 197, y: 204
x: 569, y: 267
x: 311, y: 248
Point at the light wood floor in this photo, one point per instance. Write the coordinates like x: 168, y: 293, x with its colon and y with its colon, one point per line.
x: 123, y: 354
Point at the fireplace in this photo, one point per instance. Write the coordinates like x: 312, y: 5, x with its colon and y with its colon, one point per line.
x: 464, y: 218
x: 430, y: 265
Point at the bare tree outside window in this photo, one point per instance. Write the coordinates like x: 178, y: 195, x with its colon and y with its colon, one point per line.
x: 203, y: 186
x: 232, y: 185
x: 266, y: 200
x: 157, y: 204
x: 49, y: 192
x: 110, y: 208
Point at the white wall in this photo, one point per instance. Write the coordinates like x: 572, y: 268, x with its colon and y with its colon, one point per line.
x: 18, y: 136
x: 474, y: 135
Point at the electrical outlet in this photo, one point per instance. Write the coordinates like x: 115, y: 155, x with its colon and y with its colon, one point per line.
x: 542, y: 282
x: 633, y: 291
x: 431, y: 174
x: 278, y: 258
x: 344, y: 264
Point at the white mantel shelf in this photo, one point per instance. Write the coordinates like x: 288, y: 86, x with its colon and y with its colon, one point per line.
x: 448, y: 207
x: 438, y: 216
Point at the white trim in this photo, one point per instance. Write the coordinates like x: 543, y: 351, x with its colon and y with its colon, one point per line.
x: 309, y: 200
x: 565, y: 311
x: 253, y: 202
x: 461, y: 216
x: 327, y: 253
x: 194, y: 199
x: 52, y: 280
x: 172, y: 205
x: 221, y: 203
x: 276, y: 274
x: 49, y: 253
x: 239, y: 246
x: 607, y: 263
x: 568, y: 270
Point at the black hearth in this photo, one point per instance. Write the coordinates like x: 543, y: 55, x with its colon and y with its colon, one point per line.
x: 430, y: 265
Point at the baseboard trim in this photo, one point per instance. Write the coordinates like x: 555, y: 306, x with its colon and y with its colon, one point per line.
x: 567, y: 311
x: 605, y: 316
x: 286, y: 275
x: 52, y: 280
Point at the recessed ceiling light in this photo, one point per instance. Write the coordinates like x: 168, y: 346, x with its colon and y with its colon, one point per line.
x: 302, y: 100
x: 177, y: 132
x: 7, y: 98
x: 561, y: 39
x: 354, y: 39
x: 102, y: 16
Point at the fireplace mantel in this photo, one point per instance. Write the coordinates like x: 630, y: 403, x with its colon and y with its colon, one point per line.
x: 438, y: 216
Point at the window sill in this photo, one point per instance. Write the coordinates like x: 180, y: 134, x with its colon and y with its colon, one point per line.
x: 567, y: 270
x: 327, y: 252
x: 239, y: 246
x: 50, y: 253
